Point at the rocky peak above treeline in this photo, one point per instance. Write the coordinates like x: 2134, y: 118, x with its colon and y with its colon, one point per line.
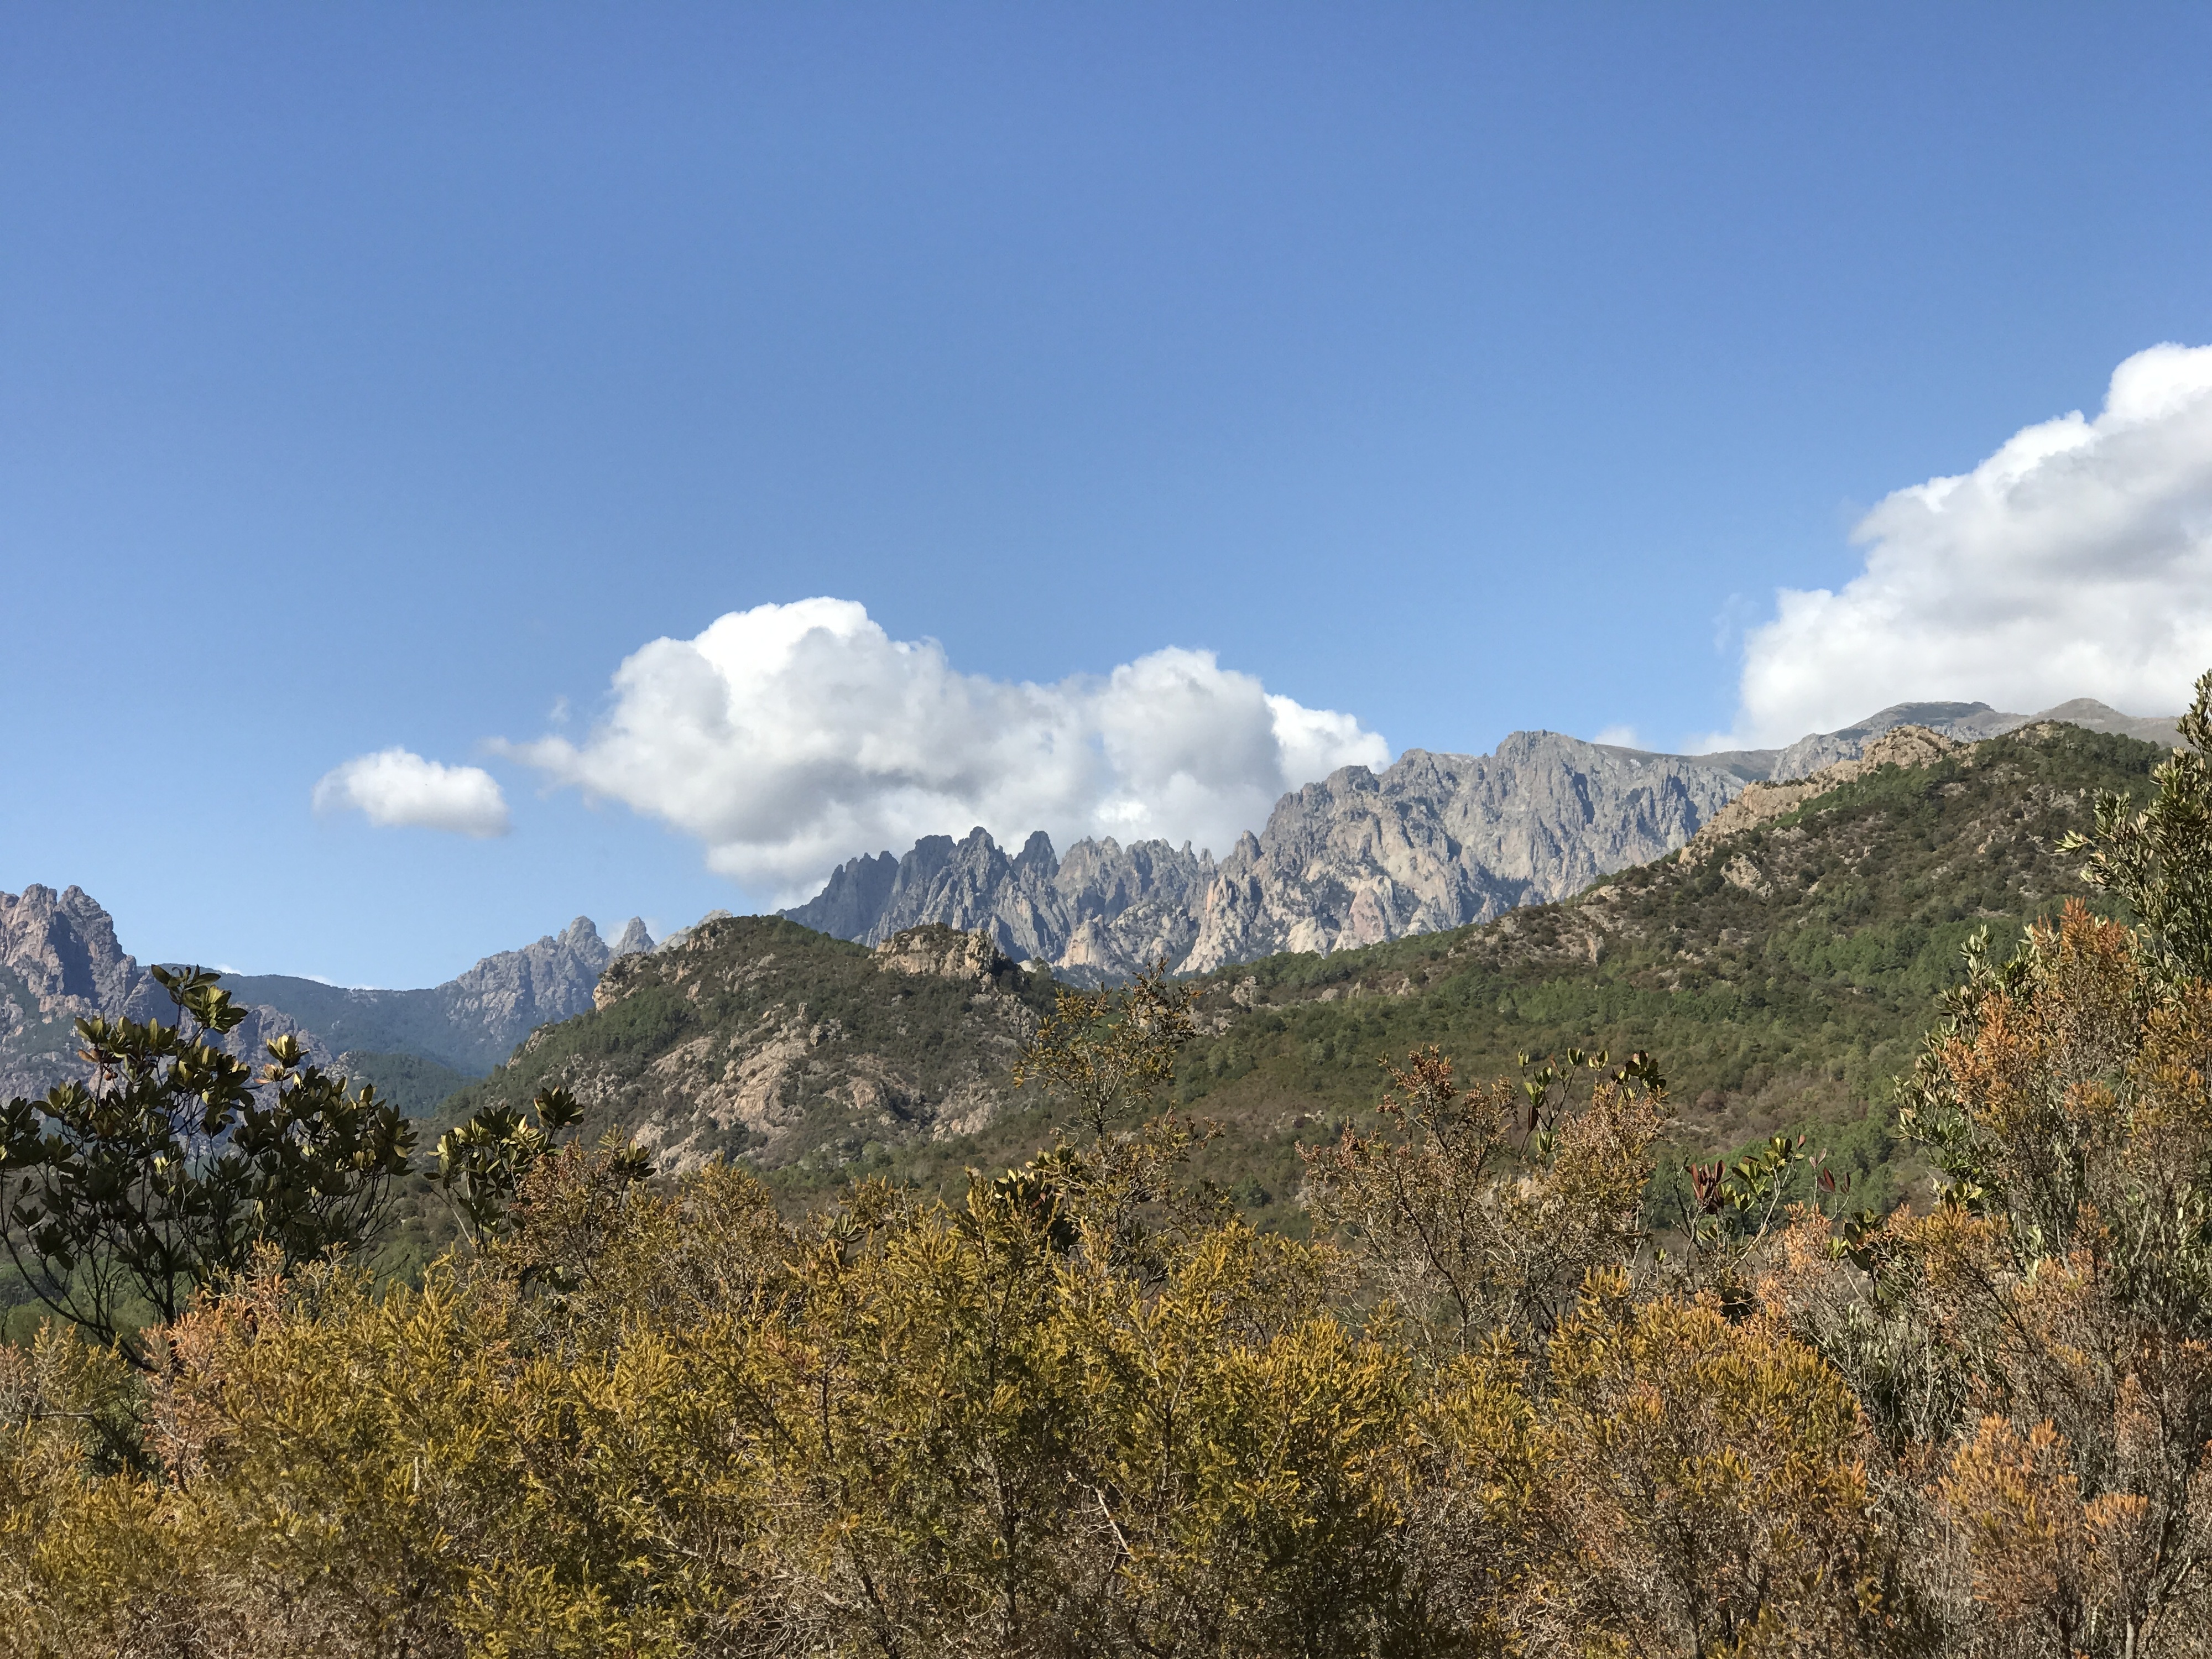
x: 1431, y: 841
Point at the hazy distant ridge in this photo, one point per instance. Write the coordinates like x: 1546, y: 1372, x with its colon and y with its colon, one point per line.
x: 60, y: 961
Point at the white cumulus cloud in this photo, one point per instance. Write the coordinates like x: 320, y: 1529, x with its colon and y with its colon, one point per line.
x: 790, y: 737
x: 2074, y: 562
x: 396, y: 786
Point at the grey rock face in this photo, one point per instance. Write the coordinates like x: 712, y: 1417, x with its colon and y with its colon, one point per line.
x: 1432, y: 841
x: 504, y: 998
x: 60, y: 962
x: 635, y: 939
x: 62, y: 947
x: 1441, y: 841
x: 1105, y: 911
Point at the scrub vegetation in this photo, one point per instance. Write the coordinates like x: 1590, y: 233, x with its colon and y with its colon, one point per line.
x: 1076, y: 1403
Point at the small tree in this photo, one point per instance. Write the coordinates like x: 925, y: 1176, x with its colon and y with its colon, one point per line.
x: 2160, y: 860
x: 1485, y: 1209
x: 123, y: 1197
x: 1109, y: 1054
x: 484, y: 1164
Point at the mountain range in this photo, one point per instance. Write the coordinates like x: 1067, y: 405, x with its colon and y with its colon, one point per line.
x: 1432, y: 841
x: 1782, y: 965
x: 60, y: 960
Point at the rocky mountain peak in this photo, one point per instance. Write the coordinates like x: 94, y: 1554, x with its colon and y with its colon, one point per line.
x: 60, y: 962
x: 1432, y: 841
x: 61, y: 949
x: 635, y: 939
x: 1103, y: 910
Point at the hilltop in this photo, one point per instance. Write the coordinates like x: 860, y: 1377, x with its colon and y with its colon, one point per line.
x: 752, y: 1037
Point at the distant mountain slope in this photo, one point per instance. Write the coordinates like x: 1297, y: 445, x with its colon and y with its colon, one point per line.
x: 470, y: 1022
x: 1433, y: 841
x: 754, y: 1037
x: 1963, y: 722
x: 60, y: 961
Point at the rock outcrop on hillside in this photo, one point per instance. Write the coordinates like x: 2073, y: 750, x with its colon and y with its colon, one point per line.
x: 1762, y: 803
x: 748, y: 1036
x: 1960, y: 722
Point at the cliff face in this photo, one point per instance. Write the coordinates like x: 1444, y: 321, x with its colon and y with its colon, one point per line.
x: 1103, y: 911
x: 1432, y: 841
x: 1441, y: 841
x: 60, y: 962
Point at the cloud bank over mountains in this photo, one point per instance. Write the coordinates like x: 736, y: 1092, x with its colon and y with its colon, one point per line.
x: 396, y: 787
x: 789, y: 737
x: 2074, y: 562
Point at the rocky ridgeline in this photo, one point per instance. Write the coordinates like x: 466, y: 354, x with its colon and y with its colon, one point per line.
x: 60, y: 961
x: 1101, y: 912
x: 470, y: 1022
x: 1432, y: 841
x: 1762, y: 803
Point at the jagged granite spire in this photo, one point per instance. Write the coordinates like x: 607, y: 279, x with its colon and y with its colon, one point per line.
x: 1431, y: 841
x: 1103, y: 911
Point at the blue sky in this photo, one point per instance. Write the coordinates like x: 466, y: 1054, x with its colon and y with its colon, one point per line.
x: 387, y: 376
